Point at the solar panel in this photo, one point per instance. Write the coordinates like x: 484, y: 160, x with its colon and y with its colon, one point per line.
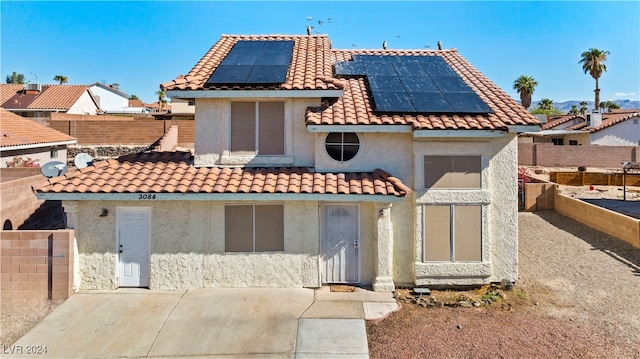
x: 414, y: 84
x: 254, y: 62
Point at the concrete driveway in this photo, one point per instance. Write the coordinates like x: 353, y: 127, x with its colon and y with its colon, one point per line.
x: 238, y: 323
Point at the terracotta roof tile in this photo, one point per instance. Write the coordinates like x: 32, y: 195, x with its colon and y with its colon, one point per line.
x: 58, y: 97
x: 18, y: 131
x: 559, y: 120
x: 310, y: 69
x: 7, y: 91
x: 610, y: 119
x: 137, y: 173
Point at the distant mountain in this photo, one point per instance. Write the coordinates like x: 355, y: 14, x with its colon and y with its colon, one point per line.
x: 566, y: 105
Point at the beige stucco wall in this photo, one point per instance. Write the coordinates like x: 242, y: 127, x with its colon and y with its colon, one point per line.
x: 41, y: 154
x: 84, y: 105
x: 498, y: 196
x: 187, y: 247
x: 212, y: 134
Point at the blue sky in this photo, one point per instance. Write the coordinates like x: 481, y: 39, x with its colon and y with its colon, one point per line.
x: 142, y: 44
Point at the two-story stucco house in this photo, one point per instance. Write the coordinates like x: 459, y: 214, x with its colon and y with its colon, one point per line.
x: 312, y: 165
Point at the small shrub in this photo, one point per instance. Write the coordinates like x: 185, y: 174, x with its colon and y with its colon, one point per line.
x: 22, y: 162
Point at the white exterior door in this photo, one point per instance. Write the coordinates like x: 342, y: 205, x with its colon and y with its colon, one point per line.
x: 133, y: 245
x: 341, y: 243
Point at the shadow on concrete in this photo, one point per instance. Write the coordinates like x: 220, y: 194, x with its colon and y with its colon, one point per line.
x: 617, y: 249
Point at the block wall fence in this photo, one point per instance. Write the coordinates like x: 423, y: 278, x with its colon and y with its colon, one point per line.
x: 546, y: 154
x: 95, y: 130
x: 36, y: 264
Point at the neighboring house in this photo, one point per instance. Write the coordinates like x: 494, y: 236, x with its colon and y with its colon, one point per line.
x: 111, y: 100
x: 24, y: 138
x: 618, y: 128
x: 32, y: 100
x: 312, y: 165
x: 182, y: 109
x: 155, y: 107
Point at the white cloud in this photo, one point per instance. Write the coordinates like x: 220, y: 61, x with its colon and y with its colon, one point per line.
x: 624, y: 94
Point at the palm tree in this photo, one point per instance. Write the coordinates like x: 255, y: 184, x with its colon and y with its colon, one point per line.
x: 574, y: 110
x: 161, y: 99
x: 133, y: 97
x: 525, y: 85
x: 583, y: 107
x: 545, y: 104
x: 609, y: 105
x: 593, y: 63
x: 61, y: 79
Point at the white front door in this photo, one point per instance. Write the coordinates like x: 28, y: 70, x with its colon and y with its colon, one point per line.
x: 341, y: 243
x: 132, y: 244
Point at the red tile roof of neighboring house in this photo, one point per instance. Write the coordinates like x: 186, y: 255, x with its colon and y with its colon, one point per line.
x: 136, y: 103
x: 608, y: 119
x: 7, y: 91
x: 559, y: 120
x: 173, y: 172
x: 18, y: 131
x: 312, y: 68
x: 51, y: 97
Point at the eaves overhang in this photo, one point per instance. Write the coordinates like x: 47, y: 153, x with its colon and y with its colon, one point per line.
x: 360, y: 128
x: 193, y: 94
x: 459, y: 133
x: 36, y: 145
x: 146, y: 198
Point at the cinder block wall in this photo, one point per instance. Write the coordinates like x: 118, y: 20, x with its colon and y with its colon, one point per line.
x: 36, y: 264
x: 539, y: 196
x: 546, y: 154
x: 123, y: 131
x: 612, y: 223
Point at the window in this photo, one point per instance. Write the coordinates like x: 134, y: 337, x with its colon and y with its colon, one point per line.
x: 53, y: 153
x: 342, y: 146
x: 452, y: 171
x: 453, y: 233
x: 257, y: 128
x: 558, y: 141
x: 191, y: 103
x: 254, y: 228
x: 573, y: 142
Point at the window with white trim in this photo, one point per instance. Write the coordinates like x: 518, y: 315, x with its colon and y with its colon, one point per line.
x: 452, y: 171
x: 452, y: 233
x: 53, y: 153
x: 257, y: 128
x: 254, y: 228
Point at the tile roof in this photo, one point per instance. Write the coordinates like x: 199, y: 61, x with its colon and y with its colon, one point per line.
x: 311, y: 67
x: 559, y: 120
x: 7, y: 91
x: 18, y: 131
x: 136, y: 103
x: 608, y: 119
x: 173, y: 172
x: 51, y: 97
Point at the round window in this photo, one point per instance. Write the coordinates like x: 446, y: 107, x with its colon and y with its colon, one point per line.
x: 342, y: 146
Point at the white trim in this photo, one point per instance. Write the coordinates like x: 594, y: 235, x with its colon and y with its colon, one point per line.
x: 189, y: 94
x: 523, y: 128
x: 360, y: 128
x: 36, y: 145
x: 459, y: 133
x: 217, y: 197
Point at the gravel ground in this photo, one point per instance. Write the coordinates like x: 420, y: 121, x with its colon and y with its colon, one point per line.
x: 577, y: 297
x: 19, y: 316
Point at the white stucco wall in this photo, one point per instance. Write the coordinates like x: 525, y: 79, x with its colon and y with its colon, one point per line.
x: 213, y: 133
x: 499, y: 213
x: 109, y: 101
x: 187, y: 247
x: 622, y: 134
x: 84, y: 105
x: 42, y: 154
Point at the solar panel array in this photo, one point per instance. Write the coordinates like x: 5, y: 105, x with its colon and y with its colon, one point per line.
x: 414, y: 84
x: 254, y: 62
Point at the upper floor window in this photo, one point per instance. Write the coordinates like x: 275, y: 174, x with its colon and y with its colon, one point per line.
x: 342, y: 146
x: 257, y: 128
x: 452, y: 171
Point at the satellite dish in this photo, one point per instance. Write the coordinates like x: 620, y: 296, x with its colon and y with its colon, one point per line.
x: 53, y: 169
x: 83, y: 160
